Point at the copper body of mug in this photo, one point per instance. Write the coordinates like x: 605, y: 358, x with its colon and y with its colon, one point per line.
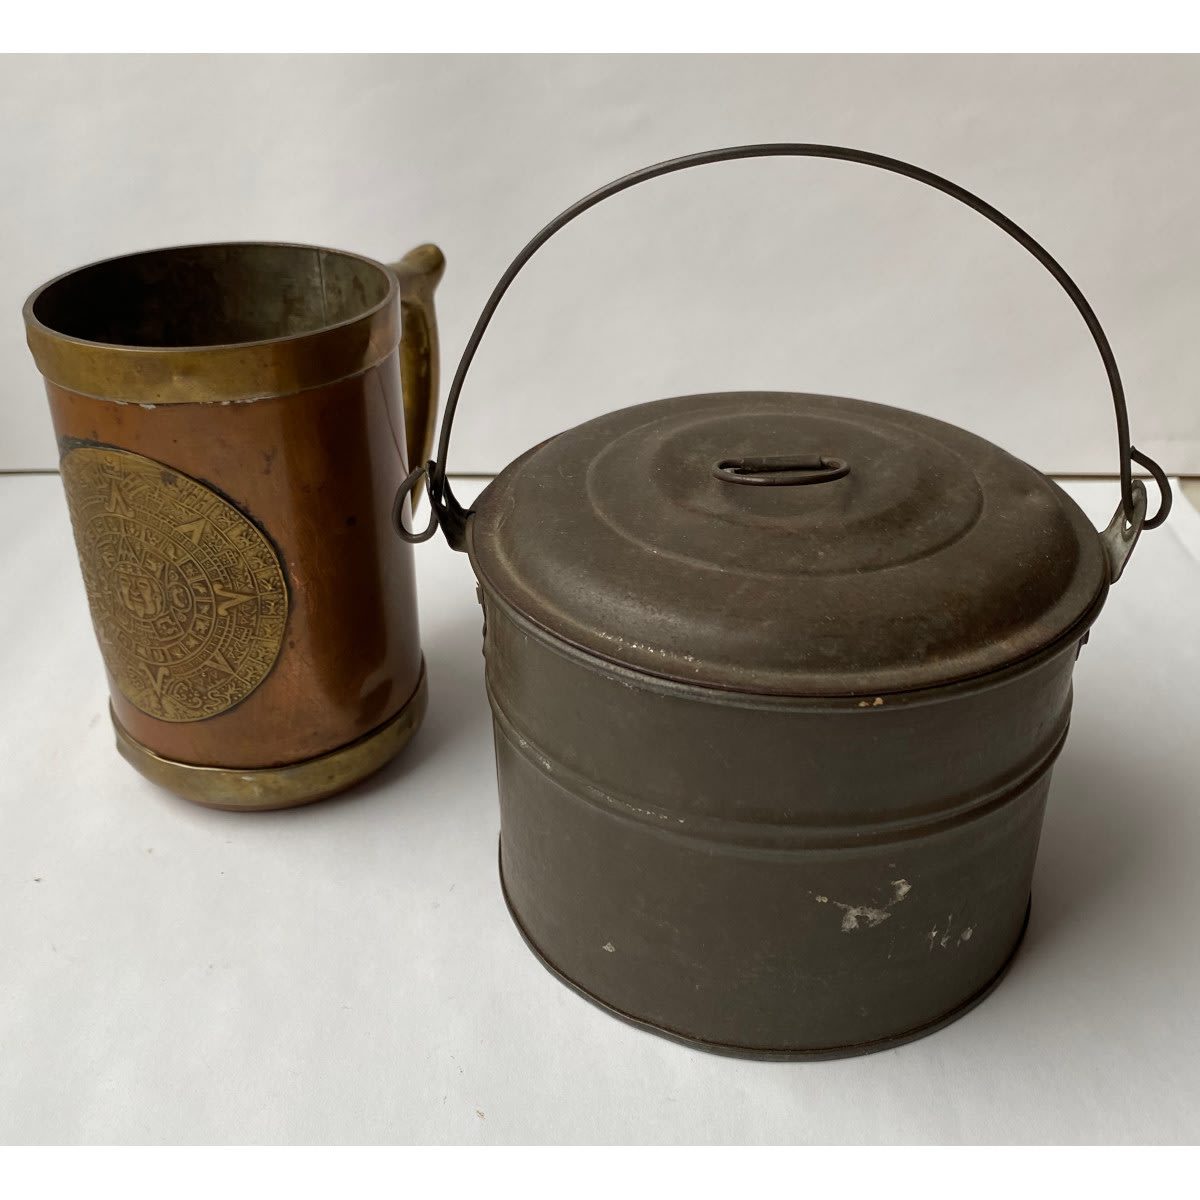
x: 233, y: 422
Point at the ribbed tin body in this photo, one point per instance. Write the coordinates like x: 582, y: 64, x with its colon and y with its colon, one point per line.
x: 763, y: 875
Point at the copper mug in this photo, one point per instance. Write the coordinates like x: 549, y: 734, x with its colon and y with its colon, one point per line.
x: 233, y: 423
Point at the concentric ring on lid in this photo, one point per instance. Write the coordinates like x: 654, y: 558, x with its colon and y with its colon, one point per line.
x: 936, y: 557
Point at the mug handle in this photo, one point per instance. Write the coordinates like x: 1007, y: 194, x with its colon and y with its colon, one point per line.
x: 419, y: 273
x: 1130, y: 518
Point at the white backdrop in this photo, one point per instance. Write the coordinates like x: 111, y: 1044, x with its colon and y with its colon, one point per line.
x: 800, y: 275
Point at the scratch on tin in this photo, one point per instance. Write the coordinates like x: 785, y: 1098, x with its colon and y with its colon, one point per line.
x: 943, y: 941
x: 858, y: 916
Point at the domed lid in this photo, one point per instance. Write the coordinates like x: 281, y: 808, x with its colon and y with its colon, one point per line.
x: 799, y: 545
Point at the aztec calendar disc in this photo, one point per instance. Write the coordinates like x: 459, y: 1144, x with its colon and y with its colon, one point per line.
x: 187, y: 595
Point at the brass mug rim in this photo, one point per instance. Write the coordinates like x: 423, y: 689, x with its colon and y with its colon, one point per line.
x: 216, y: 372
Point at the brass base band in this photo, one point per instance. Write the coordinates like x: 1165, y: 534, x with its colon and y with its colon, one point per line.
x: 263, y: 788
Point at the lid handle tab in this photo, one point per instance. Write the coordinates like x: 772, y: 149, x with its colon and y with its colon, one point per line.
x: 780, y: 470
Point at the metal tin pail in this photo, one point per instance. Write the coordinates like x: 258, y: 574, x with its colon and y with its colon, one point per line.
x: 778, y: 681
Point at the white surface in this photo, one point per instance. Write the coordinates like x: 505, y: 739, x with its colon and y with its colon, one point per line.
x: 347, y: 972
x: 802, y: 276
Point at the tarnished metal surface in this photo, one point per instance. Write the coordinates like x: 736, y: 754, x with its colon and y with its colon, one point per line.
x: 228, y: 322
x: 1123, y: 532
x: 245, y: 790
x: 232, y: 502
x: 419, y: 273
x: 762, y: 875
x: 936, y: 557
x: 187, y: 595
x: 773, y: 759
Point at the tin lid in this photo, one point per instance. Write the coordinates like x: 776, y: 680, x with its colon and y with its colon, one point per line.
x: 802, y: 545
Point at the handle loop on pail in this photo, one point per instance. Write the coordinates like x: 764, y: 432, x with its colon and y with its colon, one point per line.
x: 452, y: 517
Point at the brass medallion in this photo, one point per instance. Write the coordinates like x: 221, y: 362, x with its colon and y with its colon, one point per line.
x: 187, y: 595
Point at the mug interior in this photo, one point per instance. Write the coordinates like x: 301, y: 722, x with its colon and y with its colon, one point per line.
x: 212, y: 295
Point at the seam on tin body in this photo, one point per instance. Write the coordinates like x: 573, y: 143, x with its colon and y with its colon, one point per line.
x: 764, y: 838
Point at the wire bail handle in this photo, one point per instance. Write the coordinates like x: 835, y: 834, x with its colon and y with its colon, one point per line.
x: 1130, y: 519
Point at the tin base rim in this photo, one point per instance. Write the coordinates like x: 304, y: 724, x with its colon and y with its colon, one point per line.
x: 825, y: 1054
x: 263, y: 789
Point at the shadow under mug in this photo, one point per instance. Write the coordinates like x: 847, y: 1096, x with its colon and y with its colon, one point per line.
x: 233, y: 423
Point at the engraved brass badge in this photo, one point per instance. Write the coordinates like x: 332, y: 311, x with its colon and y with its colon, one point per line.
x: 188, y: 597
